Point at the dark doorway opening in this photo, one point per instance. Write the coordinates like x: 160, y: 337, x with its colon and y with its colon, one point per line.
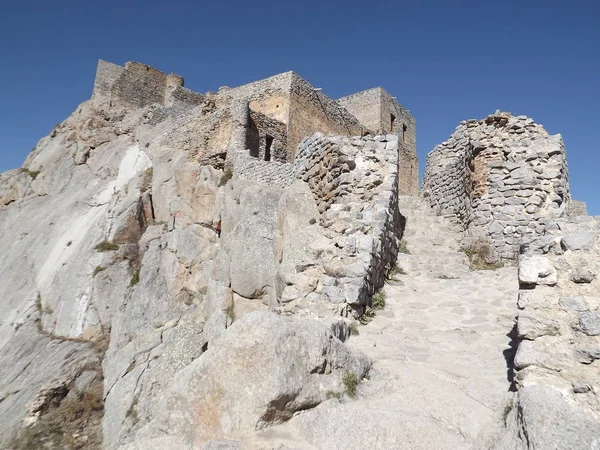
x: 268, y: 143
x: 252, y: 139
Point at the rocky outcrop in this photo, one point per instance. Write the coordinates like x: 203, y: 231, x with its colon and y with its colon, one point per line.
x: 262, y: 371
x: 503, y: 178
x: 128, y: 226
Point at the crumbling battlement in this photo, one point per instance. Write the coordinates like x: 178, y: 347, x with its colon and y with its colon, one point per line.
x: 503, y: 178
x: 139, y: 85
x: 353, y: 185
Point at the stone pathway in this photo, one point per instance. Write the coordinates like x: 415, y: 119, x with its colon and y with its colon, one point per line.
x: 440, y: 377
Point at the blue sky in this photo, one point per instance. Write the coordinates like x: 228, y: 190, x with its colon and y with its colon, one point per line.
x: 445, y: 60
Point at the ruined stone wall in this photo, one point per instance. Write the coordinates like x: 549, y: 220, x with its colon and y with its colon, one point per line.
x: 355, y: 183
x: 377, y: 110
x: 273, y: 173
x: 404, y: 125
x: 107, y: 75
x: 195, y: 130
x: 578, y: 208
x: 267, y: 138
x: 291, y: 100
x: 139, y: 85
x: 269, y: 96
x: 312, y: 111
x: 365, y: 106
x: 181, y: 96
x: 504, y: 179
x: 558, y: 328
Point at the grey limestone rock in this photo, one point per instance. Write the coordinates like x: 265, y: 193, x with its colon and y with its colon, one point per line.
x: 537, y: 270
x: 582, y: 275
x: 275, y: 366
x: 574, y: 303
x: 589, y: 323
x: 548, y: 420
x: 532, y: 326
x: 578, y: 241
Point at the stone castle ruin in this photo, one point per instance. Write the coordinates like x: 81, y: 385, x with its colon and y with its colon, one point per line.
x: 270, y: 117
x: 256, y: 268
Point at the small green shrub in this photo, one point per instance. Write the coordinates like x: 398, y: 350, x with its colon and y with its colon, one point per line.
x: 333, y: 394
x: 135, y: 277
x: 106, y: 246
x: 403, y: 248
x: 367, y: 316
x: 350, y: 381
x: 353, y: 328
x: 394, y: 272
x: 378, y: 301
x: 97, y: 270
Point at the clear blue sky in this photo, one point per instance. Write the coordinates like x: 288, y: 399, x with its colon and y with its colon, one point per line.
x: 445, y: 60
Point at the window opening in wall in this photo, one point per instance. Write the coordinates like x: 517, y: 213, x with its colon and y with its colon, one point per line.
x: 268, y: 143
x: 403, y: 132
x: 392, y: 122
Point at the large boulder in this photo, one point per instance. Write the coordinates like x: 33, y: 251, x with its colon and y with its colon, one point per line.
x: 543, y: 418
x: 263, y: 370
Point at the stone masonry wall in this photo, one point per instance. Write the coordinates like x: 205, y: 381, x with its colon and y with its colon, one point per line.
x: 261, y: 128
x: 274, y: 173
x: 269, y: 96
x: 558, y: 328
x: 578, y: 208
x: 378, y: 111
x: 405, y: 127
x: 355, y: 183
x: 138, y: 85
x: 185, y: 97
x: 312, y: 111
x: 293, y: 101
x: 107, y: 75
x: 365, y: 106
x: 503, y: 178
